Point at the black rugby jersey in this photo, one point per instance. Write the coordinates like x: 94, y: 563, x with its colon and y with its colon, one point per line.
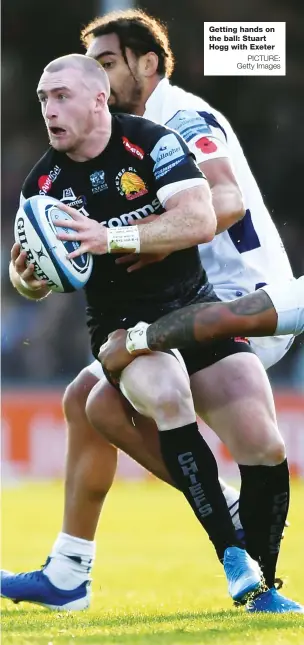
x: 119, y: 186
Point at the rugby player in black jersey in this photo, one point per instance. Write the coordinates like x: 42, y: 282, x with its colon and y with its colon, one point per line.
x: 118, y: 167
x: 85, y: 234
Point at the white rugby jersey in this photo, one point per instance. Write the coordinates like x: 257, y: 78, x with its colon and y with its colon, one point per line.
x: 251, y: 253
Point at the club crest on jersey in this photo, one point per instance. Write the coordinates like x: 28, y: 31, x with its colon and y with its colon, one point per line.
x: 133, y: 148
x: 98, y: 181
x: 129, y: 184
x: 69, y: 198
x: 45, y: 182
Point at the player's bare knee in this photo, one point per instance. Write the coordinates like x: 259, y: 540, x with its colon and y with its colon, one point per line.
x: 94, y: 410
x: 274, y: 452
x: 70, y: 401
x: 76, y: 394
x: 160, y: 389
x: 268, y: 452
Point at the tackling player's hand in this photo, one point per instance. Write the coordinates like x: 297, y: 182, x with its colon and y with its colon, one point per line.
x: 24, y: 270
x: 91, y: 234
x: 113, y: 354
x: 140, y: 260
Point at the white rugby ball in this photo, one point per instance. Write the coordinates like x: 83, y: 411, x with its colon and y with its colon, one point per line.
x: 35, y: 230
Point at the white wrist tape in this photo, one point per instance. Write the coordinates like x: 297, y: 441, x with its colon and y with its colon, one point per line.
x: 137, y: 337
x: 122, y: 239
x: 27, y: 286
x: 288, y: 301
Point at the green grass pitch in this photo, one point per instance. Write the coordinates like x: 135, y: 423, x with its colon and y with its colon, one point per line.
x: 156, y: 580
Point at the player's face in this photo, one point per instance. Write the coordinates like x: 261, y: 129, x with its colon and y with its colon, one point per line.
x: 67, y: 106
x: 126, y: 83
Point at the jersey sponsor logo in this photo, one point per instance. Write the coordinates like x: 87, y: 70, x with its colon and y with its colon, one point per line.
x: 98, y: 182
x: 163, y: 171
x: 45, y: 182
x: 206, y: 145
x: 133, y: 148
x: 129, y: 184
x: 69, y: 198
x: 128, y: 218
x: 189, y: 124
x: 168, y: 152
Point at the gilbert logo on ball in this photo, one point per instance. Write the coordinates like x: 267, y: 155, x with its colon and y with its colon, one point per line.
x: 35, y: 230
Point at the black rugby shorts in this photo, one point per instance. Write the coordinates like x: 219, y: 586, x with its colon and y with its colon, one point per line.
x: 196, y: 358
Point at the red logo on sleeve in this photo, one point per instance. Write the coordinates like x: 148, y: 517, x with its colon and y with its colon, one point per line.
x: 45, y: 183
x: 135, y: 150
x: 206, y: 145
x: 241, y: 339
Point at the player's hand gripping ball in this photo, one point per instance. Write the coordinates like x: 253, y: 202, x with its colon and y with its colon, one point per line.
x: 36, y: 232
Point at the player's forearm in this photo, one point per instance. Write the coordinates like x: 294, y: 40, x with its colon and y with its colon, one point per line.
x: 228, y: 205
x: 253, y: 315
x: 179, y: 228
x: 31, y: 294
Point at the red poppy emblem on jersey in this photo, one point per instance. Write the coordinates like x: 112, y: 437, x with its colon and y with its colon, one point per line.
x: 206, y: 145
x: 135, y: 150
x: 45, y: 183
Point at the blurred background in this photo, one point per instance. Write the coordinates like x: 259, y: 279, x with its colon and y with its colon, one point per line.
x: 44, y: 345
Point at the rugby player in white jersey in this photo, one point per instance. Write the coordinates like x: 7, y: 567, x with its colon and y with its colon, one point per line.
x: 136, y: 55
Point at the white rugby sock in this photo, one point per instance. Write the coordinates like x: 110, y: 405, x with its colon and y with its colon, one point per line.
x: 71, y: 561
x: 232, y: 498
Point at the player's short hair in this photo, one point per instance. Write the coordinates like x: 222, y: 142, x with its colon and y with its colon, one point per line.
x: 136, y: 30
x: 85, y: 64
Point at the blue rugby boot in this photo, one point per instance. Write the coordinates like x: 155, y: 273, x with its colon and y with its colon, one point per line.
x: 272, y: 602
x: 36, y: 587
x: 243, y: 574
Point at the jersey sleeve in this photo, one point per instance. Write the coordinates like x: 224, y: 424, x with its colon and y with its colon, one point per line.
x: 204, y: 134
x: 174, y: 166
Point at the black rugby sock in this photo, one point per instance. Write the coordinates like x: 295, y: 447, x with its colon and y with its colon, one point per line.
x: 264, y: 502
x: 193, y: 468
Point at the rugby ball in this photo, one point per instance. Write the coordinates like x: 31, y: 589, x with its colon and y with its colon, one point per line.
x: 35, y: 230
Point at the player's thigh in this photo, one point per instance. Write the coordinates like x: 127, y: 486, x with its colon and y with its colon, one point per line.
x: 235, y: 399
x: 155, y: 381
x: 272, y: 349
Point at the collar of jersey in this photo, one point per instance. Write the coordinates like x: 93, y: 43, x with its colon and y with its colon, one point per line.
x: 155, y: 99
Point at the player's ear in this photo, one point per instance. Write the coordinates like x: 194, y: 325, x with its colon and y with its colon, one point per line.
x: 148, y: 64
x: 101, y: 101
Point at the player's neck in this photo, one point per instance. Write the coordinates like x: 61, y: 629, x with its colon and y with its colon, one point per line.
x: 94, y: 143
x: 148, y: 90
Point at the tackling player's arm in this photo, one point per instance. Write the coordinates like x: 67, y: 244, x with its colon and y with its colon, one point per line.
x: 188, y: 327
x: 273, y: 310
x: 208, y: 141
x: 252, y: 315
x: 227, y: 198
